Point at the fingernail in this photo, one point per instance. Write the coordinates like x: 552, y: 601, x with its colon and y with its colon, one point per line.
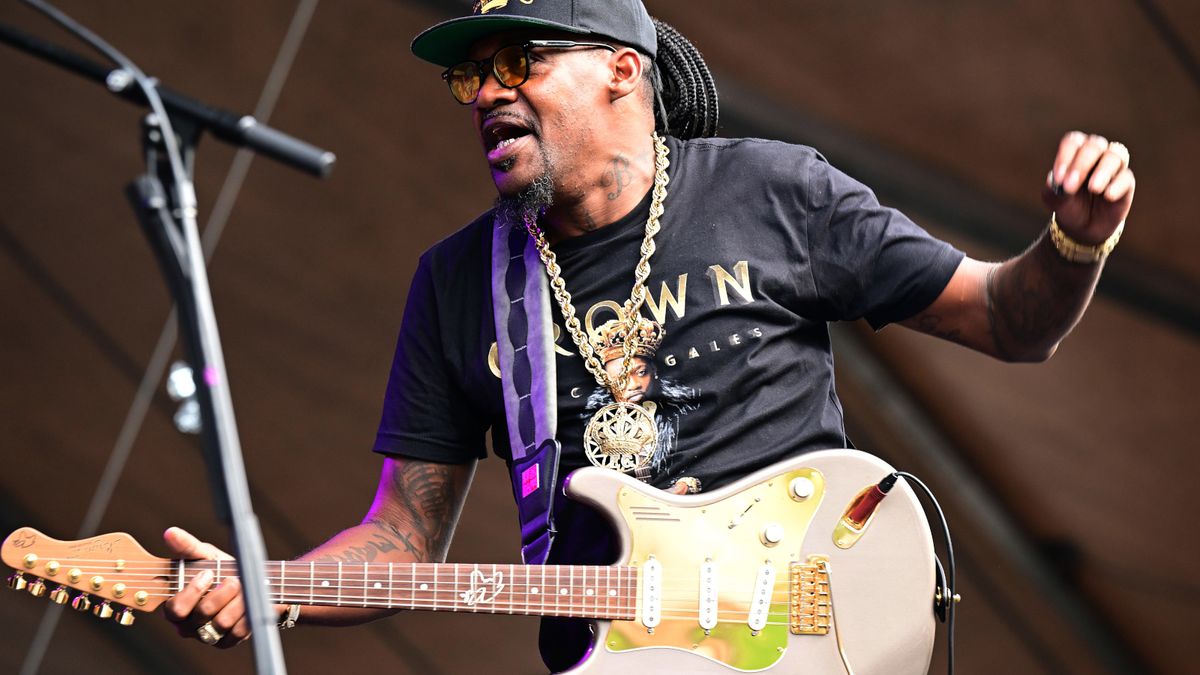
x: 1058, y: 189
x: 203, y: 579
x: 1073, y: 179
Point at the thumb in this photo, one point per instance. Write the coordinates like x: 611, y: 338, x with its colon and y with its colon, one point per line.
x: 184, y: 544
x: 1052, y: 193
x: 679, y: 488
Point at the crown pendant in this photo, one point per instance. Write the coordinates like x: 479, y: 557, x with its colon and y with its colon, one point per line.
x: 621, y: 436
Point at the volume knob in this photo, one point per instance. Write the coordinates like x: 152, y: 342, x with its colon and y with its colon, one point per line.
x: 801, y: 488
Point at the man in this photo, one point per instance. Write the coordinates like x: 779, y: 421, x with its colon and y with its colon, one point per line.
x: 758, y: 245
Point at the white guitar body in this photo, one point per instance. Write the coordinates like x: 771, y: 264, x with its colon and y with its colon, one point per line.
x: 882, y: 587
x: 761, y: 575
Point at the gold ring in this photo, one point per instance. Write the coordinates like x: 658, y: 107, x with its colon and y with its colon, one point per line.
x: 208, y: 634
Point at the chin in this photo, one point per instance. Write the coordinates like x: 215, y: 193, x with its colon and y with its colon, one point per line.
x: 511, y: 178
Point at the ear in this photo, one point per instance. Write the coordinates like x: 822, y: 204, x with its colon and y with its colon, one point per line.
x: 626, y: 72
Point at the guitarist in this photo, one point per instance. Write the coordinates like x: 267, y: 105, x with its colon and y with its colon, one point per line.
x: 582, y: 108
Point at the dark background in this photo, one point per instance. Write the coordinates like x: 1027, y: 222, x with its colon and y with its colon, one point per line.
x: 1069, y: 485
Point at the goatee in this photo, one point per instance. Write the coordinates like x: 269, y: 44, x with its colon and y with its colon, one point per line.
x: 531, y: 201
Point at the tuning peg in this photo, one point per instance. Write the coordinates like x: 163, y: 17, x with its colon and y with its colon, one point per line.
x: 59, y: 596
x: 17, y: 581
x: 103, y: 610
x: 37, y: 589
x: 125, y: 618
x: 81, y: 603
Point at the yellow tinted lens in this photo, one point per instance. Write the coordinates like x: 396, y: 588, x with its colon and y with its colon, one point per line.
x: 464, y: 82
x: 510, y: 66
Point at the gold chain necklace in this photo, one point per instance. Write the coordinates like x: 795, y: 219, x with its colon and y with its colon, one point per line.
x: 621, y: 435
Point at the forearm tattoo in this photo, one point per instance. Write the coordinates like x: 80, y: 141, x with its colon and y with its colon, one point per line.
x: 1034, y: 300
x: 417, y: 521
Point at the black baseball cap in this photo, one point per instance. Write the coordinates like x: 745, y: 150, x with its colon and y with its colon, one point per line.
x: 623, y: 21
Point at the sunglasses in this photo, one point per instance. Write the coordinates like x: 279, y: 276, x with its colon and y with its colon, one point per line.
x: 509, y: 64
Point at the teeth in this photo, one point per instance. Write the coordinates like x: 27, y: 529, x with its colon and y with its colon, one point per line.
x: 505, y: 143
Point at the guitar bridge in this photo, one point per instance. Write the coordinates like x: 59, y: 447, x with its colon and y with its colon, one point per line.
x: 809, y: 609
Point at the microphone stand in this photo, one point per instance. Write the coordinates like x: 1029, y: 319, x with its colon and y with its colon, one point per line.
x: 168, y: 218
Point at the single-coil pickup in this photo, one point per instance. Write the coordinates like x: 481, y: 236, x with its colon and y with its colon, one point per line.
x: 760, y: 602
x: 708, y: 595
x: 651, y: 593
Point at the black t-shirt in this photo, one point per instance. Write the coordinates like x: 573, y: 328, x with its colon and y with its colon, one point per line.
x: 762, y: 243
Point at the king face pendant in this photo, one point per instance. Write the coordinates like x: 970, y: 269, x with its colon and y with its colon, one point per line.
x: 621, y: 436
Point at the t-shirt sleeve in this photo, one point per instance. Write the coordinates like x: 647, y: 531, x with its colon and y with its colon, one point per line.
x: 425, y: 415
x: 868, y: 260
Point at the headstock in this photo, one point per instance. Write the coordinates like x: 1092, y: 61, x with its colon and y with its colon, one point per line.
x: 106, y: 570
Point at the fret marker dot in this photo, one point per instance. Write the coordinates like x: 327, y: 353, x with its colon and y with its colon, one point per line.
x: 612, y: 591
x: 325, y: 584
x: 424, y: 587
x: 378, y: 585
x: 534, y: 590
x: 562, y: 591
x: 589, y: 592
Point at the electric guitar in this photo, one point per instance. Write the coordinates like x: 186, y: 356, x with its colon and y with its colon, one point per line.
x: 763, y: 574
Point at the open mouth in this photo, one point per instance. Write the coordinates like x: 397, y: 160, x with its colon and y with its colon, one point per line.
x: 502, y: 136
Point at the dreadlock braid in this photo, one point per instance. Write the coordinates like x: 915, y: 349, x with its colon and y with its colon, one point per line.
x: 687, y: 107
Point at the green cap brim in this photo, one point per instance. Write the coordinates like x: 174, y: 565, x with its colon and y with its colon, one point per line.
x: 447, y: 43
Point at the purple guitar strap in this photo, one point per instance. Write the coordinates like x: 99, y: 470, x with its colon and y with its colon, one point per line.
x: 525, y: 348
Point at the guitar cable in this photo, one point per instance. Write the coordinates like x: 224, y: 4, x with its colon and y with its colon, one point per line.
x: 946, y: 598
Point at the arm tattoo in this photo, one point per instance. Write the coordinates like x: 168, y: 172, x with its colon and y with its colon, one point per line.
x: 932, y: 325
x: 360, y: 554
x: 993, y: 323
x: 1033, y: 301
x: 423, y: 518
x: 617, y: 177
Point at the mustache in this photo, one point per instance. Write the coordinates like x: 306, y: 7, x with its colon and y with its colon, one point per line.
x: 512, y: 116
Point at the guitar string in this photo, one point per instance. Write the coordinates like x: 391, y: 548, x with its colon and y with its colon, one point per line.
x: 560, y: 608
x: 352, y: 580
x: 620, y: 613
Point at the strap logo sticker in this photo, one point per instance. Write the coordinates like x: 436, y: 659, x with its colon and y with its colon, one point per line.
x: 531, y: 480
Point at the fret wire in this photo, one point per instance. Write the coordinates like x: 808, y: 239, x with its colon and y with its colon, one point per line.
x: 391, y: 585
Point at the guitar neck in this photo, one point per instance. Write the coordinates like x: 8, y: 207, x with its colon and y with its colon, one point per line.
x: 588, y: 591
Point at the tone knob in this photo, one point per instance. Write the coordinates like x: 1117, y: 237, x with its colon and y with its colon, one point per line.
x: 59, y: 596
x: 81, y: 603
x: 37, y: 589
x: 801, y: 488
x: 103, y: 610
x: 772, y: 534
x: 125, y: 618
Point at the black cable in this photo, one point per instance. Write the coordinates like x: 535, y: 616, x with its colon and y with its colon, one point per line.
x: 948, y: 594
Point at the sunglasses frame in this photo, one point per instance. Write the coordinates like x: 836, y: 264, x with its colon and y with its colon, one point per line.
x: 488, y: 65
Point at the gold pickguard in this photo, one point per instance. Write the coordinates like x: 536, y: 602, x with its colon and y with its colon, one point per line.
x: 682, y: 538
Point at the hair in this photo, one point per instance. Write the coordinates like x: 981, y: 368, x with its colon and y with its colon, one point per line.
x: 683, y: 92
